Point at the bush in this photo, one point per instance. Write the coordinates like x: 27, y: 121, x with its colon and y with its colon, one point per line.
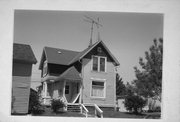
x: 134, y: 103
x: 56, y: 104
x: 34, y: 104
x: 157, y: 109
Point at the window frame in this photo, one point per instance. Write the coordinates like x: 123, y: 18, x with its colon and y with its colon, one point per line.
x: 98, y: 65
x: 98, y: 80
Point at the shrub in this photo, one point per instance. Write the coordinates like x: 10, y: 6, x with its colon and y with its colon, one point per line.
x: 34, y: 104
x: 158, y: 109
x: 134, y: 103
x: 56, y: 104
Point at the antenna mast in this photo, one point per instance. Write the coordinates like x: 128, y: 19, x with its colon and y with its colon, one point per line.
x: 92, y: 21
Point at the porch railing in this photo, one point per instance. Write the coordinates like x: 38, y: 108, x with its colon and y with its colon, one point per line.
x: 98, y: 111
x: 84, y: 110
x: 75, y: 97
x: 46, y: 100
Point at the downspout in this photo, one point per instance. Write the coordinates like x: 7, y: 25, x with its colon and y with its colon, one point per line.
x: 115, y: 107
x: 82, y: 87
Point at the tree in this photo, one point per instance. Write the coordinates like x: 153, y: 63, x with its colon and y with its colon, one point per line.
x: 149, y: 79
x: 134, y: 103
x: 35, y: 106
x: 120, y: 87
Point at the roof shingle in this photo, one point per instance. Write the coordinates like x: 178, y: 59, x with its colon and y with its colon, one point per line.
x: 59, y: 56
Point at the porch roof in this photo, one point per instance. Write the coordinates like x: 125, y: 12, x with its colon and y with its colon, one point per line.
x: 70, y: 74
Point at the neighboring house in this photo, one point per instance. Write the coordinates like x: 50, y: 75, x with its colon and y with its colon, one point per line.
x: 23, y: 58
x: 120, y: 103
x: 87, y: 77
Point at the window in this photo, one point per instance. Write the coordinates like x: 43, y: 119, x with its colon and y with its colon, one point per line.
x: 102, y: 64
x: 99, y: 64
x: 67, y: 89
x: 98, y: 89
x: 95, y: 63
x: 45, y: 68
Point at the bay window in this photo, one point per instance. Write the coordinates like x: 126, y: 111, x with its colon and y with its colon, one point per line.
x: 45, y: 68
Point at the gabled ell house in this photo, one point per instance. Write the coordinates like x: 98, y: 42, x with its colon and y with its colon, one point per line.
x: 87, y: 77
x: 23, y: 59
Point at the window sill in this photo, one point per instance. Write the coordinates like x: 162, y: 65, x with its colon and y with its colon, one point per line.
x: 47, y: 97
x: 98, y: 98
x: 98, y: 72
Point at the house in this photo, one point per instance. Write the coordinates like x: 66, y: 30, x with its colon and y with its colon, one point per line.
x: 23, y: 59
x: 87, y: 77
x: 120, y: 103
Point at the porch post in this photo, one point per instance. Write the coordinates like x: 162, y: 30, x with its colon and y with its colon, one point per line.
x: 80, y: 90
x: 45, y: 91
x: 64, y: 84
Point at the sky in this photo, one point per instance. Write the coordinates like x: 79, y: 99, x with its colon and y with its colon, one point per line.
x: 127, y: 35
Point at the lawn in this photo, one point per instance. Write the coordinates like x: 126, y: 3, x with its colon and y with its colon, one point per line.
x: 49, y: 112
x: 106, y: 114
x: 110, y: 114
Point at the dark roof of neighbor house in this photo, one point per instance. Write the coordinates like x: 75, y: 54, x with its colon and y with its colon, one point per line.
x: 70, y: 74
x: 23, y: 53
x: 68, y: 57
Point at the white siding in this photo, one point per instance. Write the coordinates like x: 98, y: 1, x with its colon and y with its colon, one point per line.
x: 20, y: 94
x: 108, y: 76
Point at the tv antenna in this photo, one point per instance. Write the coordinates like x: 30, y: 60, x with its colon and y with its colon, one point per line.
x: 92, y: 21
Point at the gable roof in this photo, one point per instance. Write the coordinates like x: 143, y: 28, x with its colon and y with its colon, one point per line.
x: 68, y: 57
x: 70, y: 74
x: 59, y: 56
x: 87, y: 50
x: 23, y: 53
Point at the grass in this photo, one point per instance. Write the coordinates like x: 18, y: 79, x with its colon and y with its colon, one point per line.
x: 49, y: 112
x: 106, y: 114
x: 110, y: 114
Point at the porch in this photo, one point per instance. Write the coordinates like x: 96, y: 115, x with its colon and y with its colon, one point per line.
x: 67, y: 86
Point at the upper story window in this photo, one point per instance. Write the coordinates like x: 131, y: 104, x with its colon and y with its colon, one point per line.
x: 45, y: 68
x: 99, y: 64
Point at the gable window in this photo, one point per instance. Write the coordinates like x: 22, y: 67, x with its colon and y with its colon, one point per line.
x: 45, y: 68
x: 99, y: 63
x: 98, y: 89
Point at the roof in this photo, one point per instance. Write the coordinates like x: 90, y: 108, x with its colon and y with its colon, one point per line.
x: 70, y: 74
x: 59, y: 56
x: 23, y: 53
x: 84, y: 52
x: 68, y: 57
x: 81, y: 54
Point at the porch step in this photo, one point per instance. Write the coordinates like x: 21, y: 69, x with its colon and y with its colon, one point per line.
x: 73, y: 108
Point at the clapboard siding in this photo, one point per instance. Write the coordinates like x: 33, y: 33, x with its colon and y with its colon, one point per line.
x: 110, y: 84
x: 21, y: 69
x: 20, y: 94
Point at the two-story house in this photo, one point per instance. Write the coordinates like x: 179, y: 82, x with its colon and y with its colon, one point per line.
x: 87, y: 77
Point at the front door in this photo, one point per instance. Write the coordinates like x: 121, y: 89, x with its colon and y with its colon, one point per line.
x: 68, y: 91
